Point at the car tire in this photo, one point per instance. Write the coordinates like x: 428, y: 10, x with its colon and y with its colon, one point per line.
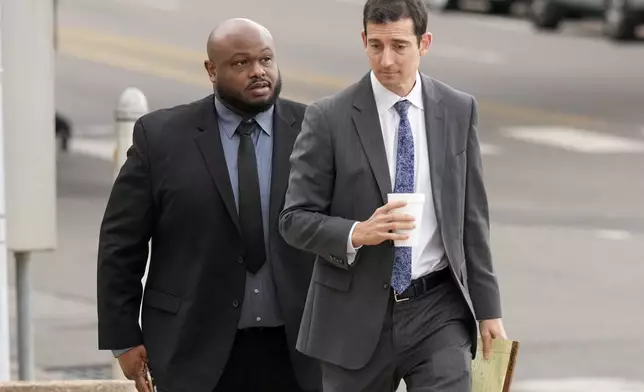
x: 499, y: 7
x: 545, y: 15
x: 618, y: 24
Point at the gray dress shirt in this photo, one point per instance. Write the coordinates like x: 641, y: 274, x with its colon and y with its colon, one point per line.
x: 260, y: 307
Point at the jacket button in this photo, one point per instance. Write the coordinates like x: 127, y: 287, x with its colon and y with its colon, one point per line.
x: 235, y: 304
x: 240, y: 260
x: 385, y: 286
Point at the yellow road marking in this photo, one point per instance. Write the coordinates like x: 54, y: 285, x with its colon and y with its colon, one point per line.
x: 143, y: 56
x: 142, y: 47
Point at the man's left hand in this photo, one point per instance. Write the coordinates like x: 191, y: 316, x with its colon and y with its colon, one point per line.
x: 491, y: 329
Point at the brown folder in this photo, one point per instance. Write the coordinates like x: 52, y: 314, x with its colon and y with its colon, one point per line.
x: 495, y: 374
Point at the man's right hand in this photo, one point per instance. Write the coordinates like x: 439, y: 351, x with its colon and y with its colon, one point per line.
x: 134, y: 364
x: 381, y: 226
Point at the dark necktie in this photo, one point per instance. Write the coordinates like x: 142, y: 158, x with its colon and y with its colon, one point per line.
x: 250, y: 207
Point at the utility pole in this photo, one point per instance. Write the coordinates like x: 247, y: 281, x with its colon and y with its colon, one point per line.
x: 5, y: 346
x: 29, y: 149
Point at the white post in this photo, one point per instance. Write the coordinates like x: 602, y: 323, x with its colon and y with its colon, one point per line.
x: 29, y: 149
x: 5, y: 347
x: 131, y: 105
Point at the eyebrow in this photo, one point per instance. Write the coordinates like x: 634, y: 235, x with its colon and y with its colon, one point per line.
x: 395, y: 40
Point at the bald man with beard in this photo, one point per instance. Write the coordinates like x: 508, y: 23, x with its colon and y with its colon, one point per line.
x: 205, y: 182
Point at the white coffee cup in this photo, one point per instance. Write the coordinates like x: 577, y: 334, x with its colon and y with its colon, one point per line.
x: 414, y: 207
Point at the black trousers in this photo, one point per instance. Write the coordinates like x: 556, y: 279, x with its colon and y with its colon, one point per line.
x: 259, y: 362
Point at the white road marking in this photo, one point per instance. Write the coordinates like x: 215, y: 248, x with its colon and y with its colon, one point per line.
x: 490, y: 149
x: 577, y: 140
x: 614, y: 235
x: 97, y: 148
x: 578, y: 385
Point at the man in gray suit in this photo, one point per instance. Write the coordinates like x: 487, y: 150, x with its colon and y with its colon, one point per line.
x: 376, y: 313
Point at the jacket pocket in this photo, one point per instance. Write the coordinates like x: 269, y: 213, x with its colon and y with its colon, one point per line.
x: 163, y: 301
x: 333, y: 277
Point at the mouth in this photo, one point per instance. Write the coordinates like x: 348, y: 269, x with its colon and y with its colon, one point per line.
x: 260, y: 88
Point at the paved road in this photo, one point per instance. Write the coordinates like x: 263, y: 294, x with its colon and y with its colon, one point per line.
x: 563, y: 137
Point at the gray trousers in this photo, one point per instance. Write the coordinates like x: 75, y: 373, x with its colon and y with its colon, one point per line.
x: 425, y: 341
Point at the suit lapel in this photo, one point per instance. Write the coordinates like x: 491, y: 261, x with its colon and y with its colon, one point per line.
x: 212, y: 151
x: 284, y: 136
x: 367, y: 123
x: 436, y: 141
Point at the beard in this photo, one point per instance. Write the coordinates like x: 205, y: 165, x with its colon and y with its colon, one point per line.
x: 236, y: 102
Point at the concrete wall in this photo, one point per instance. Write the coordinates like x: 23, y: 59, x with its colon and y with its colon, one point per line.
x: 68, y: 386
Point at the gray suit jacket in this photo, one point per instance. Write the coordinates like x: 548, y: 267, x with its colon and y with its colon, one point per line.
x: 339, y: 175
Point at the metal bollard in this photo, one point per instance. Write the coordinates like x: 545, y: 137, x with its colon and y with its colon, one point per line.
x: 132, y: 104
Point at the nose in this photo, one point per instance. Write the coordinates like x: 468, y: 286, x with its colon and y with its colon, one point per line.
x: 387, y: 58
x: 258, y: 71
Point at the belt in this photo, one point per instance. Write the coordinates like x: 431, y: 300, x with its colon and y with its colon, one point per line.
x: 422, y: 285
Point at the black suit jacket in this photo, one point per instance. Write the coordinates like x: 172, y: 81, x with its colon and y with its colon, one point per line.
x: 174, y: 189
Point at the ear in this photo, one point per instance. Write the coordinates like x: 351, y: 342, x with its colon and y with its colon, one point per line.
x: 425, y: 43
x: 211, y: 69
x: 364, y: 38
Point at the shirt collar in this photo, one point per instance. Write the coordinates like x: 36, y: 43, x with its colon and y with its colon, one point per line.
x: 385, y: 98
x: 230, y: 120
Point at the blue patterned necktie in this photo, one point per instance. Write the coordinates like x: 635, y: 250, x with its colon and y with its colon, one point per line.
x: 404, y: 183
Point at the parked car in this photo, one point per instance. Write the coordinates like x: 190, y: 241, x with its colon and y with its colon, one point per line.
x: 496, y: 7
x: 620, y: 17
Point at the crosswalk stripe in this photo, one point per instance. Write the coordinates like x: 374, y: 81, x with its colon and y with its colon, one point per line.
x: 576, y: 140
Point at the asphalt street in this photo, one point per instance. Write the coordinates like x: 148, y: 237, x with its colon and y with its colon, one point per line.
x: 562, y: 128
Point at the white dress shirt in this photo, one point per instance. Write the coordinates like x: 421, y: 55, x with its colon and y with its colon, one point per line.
x: 427, y: 256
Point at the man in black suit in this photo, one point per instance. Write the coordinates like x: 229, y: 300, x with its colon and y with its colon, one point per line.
x: 206, y: 182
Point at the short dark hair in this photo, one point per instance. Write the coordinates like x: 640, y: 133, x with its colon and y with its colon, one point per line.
x: 386, y: 11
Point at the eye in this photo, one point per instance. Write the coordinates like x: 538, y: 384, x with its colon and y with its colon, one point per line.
x: 374, y: 45
x: 401, y: 46
x: 266, y: 60
x: 239, y: 63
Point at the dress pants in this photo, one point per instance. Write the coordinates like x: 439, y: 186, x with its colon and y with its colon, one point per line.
x: 426, y: 341
x: 259, y: 362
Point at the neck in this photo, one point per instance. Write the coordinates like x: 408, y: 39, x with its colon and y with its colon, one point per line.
x: 404, y: 88
x: 234, y: 109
